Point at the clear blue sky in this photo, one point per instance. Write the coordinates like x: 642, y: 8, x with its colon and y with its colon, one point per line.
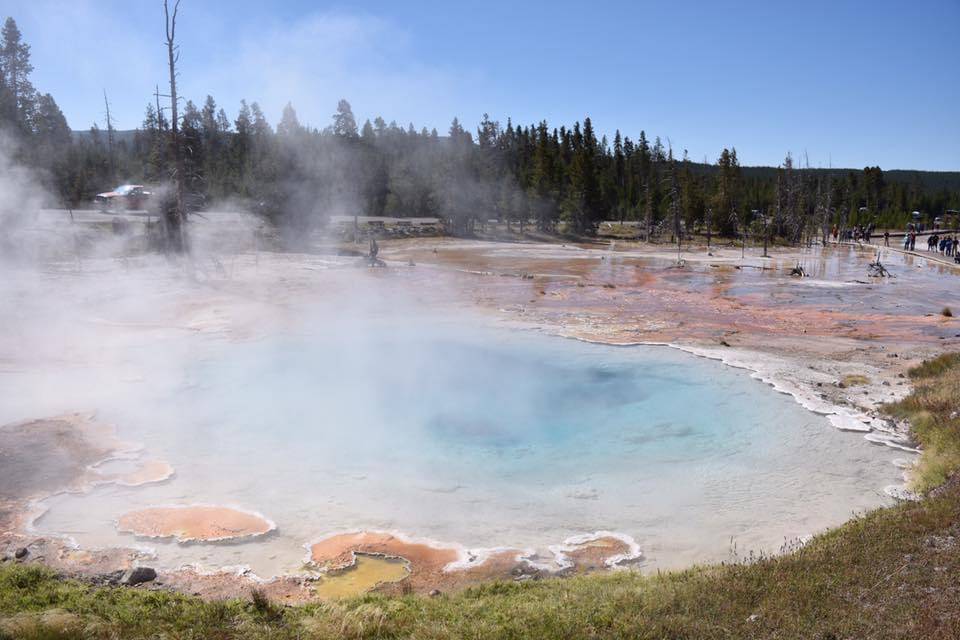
x: 849, y: 83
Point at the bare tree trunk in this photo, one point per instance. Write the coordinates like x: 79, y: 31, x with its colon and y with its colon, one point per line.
x: 743, y: 241
x: 825, y: 224
x: 766, y: 235
x: 648, y: 210
x: 675, y: 206
x: 174, y: 216
x: 709, y: 226
x: 113, y: 168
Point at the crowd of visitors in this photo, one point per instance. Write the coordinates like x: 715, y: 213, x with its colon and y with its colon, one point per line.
x: 861, y: 233
x: 944, y: 244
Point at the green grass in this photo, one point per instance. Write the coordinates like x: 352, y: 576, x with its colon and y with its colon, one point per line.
x: 878, y: 576
x: 933, y: 410
x: 891, y: 573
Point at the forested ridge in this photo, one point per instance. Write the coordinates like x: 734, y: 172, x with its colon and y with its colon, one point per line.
x: 539, y: 174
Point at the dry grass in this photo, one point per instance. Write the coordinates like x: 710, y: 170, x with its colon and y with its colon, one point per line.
x: 855, y: 380
x: 933, y: 410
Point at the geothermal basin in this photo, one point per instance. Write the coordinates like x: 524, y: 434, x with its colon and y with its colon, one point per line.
x: 447, y: 430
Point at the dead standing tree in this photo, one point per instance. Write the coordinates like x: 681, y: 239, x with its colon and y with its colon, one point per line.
x: 824, y: 209
x: 647, y: 210
x: 110, y: 152
x: 674, y: 191
x: 174, y: 215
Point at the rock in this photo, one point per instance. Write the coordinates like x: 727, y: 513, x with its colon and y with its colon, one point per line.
x: 21, y: 553
x: 138, y: 575
x: 113, y: 578
x: 434, y: 593
x: 753, y: 617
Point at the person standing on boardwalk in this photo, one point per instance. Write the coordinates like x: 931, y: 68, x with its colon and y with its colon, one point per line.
x: 886, y: 238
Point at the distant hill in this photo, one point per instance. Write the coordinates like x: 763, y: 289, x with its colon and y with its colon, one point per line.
x: 125, y: 136
x: 930, y: 181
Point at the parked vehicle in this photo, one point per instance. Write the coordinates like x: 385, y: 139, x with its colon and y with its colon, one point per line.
x: 126, y: 196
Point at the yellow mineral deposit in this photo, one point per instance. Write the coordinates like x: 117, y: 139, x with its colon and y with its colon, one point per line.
x: 366, y: 573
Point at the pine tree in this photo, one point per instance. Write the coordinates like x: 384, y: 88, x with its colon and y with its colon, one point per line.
x: 619, y: 175
x: 344, y: 124
x: 367, y: 134
x: 289, y: 124
x: 15, y: 68
x: 8, y: 106
x: 192, y: 143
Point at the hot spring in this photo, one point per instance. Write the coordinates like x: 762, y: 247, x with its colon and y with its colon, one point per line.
x: 472, y: 435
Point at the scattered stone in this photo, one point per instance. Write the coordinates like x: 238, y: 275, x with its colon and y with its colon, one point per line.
x: 885, y: 383
x: 942, y: 543
x: 725, y: 343
x: 138, y: 575
x: 753, y: 617
x: 434, y: 593
x: 114, y: 577
x: 21, y: 553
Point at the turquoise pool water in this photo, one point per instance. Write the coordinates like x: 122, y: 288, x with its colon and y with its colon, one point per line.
x: 478, y: 436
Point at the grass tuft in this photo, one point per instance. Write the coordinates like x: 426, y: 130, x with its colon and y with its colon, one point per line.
x: 263, y: 607
x: 855, y: 380
x: 933, y: 410
x: 935, y: 367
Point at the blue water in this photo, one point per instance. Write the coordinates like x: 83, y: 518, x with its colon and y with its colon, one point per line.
x: 482, y: 437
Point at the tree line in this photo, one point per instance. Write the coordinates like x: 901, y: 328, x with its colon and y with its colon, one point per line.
x: 548, y: 177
